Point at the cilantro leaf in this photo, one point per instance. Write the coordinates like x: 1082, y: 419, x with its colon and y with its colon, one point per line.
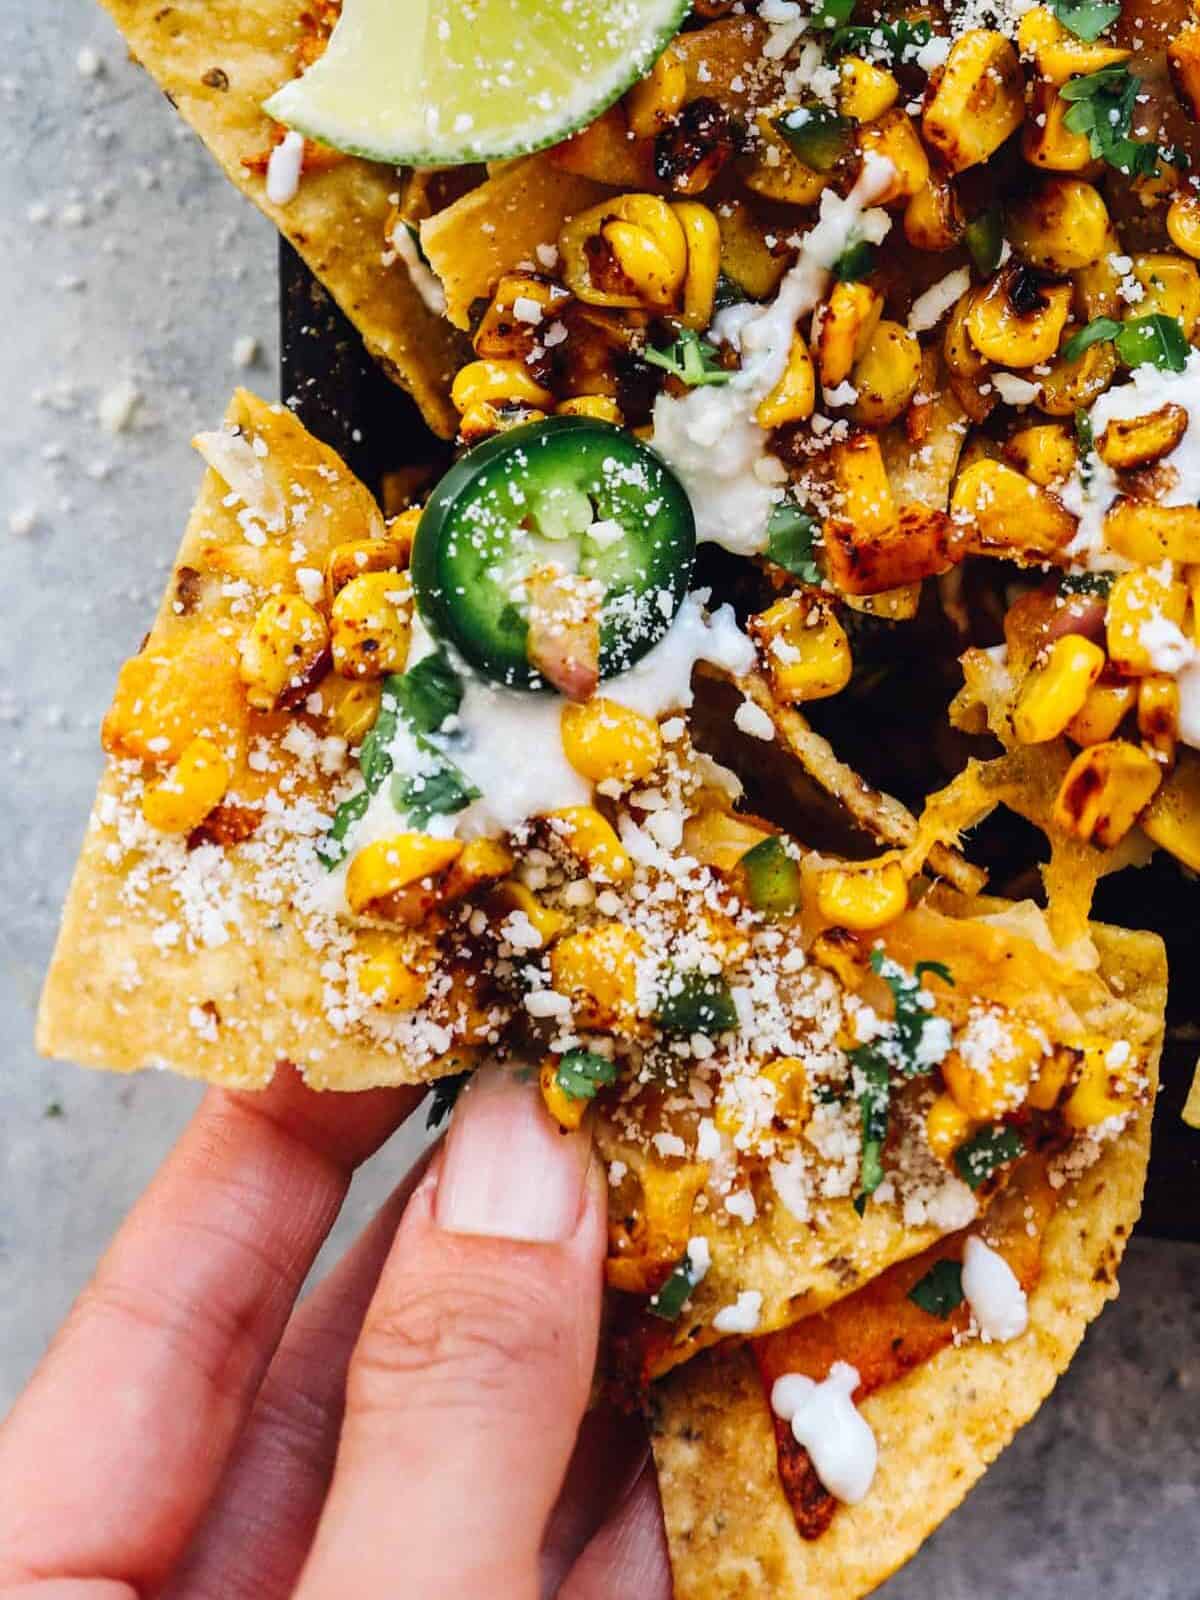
x: 442, y: 1098
x: 333, y: 847
x: 874, y: 1096
x: 1097, y: 331
x: 792, y: 537
x: 920, y: 1038
x: 692, y: 360
x: 832, y: 13
x: 990, y: 1148
x: 1097, y: 583
x: 669, y: 1301
x: 428, y: 693
x: 581, y: 1072
x: 940, y: 1291
x: 895, y: 43
x: 856, y: 261
x: 728, y: 293
x: 439, y: 793
x: 1086, y: 19
x: 1155, y: 341
x: 1102, y: 108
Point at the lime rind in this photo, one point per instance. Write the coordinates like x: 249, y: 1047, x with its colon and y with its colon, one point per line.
x: 438, y: 83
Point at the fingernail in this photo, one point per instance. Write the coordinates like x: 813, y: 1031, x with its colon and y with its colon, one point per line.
x: 509, y: 1171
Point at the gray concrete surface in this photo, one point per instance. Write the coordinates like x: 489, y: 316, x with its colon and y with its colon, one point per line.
x: 130, y: 269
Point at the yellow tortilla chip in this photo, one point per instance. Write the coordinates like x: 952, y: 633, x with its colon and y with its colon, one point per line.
x: 217, y: 61
x: 731, y: 1530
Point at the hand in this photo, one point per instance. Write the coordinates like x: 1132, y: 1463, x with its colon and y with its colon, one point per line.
x: 416, y: 1428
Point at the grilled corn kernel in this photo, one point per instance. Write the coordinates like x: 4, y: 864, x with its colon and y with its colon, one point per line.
x: 642, y: 263
x: 605, y: 741
x: 1172, y: 286
x: 865, y: 91
x: 1046, y: 141
x: 794, y: 396
x: 1158, y: 713
x: 862, y: 482
x: 746, y: 257
x: 546, y: 922
x: 394, y: 974
x: 355, y: 557
x: 844, y: 954
x: 793, y: 1101
x: 1015, y: 338
x: 481, y: 861
x: 886, y: 375
x: 979, y: 100
x: 1183, y: 223
x: 862, y: 898
x: 512, y: 323
x: 1183, y: 59
x: 566, y: 1109
x: 1054, y: 692
x: 1105, y: 1087
x: 1135, y: 599
x: 182, y: 800
x: 349, y: 706
x: 987, y: 1092
x: 842, y: 329
x: 286, y: 640
x: 1053, y: 1072
x: 1045, y: 453
x: 651, y: 104
x: 1071, y: 386
x: 370, y: 625
x: 1172, y: 819
x: 480, y: 382
x: 718, y: 839
x: 599, y: 406
x: 1061, y: 227
x: 597, y: 968
x: 1137, y: 441
x: 1098, y: 287
x: 703, y: 238
x: 1152, y: 533
x: 947, y: 1126
x: 1102, y: 713
x: 933, y: 218
x: 1105, y: 788
x: 588, y: 834
x: 388, y: 865
x: 806, y: 651
x: 894, y: 137
x: 1007, y: 512
x: 969, y: 373
x: 1059, y: 53
x: 646, y: 256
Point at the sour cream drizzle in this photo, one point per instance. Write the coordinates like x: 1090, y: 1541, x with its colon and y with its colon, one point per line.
x: 824, y: 1420
x: 709, y: 435
x: 990, y: 1287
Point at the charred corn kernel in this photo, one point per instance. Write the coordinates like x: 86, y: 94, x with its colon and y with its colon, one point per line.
x: 599, y: 406
x: 900, y: 604
x: 605, y: 741
x: 1046, y: 141
x: 1015, y: 338
x: 795, y: 395
x: 865, y: 91
x: 646, y: 244
x: 1098, y: 286
x: 1045, y: 453
x: 862, y: 481
x: 1006, y: 511
x: 805, y: 649
x: 402, y: 530
x: 1153, y: 533
x: 482, y: 381
x: 1061, y: 227
x: 1183, y: 59
x: 1071, y: 386
x: 350, y: 706
x: 513, y: 895
x: 521, y: 304
x: 1135, y: 599
x: 1158, y: 713
x: 703, y: 238
x: 718, y: 839
x: 886, y: 375
x: 642, y: 263
x: 1137, y: 441
x: 481, y: 421
x: 394, y: 975
x: 182, y: 800
x: 1053, y: 1072
x: 1105, y: 1087
x: 894, y: 137
x: 843, y: 328
x: 1172, y: 286
x: 597, y: 968
x: 746, y: 257
x: 1054, y: 692
x: 793, y: 1102
x: 358, y: 556
x: 370, y: 625
x: 387, y: 865
x: 1105, y: 788
x: 969, y: 374
x: 1102, y: 713
x: 841, y: 952
x: 481, y: 861
x: 1183, y: 223
x: 933, y: 218
x: 862, y: 898
x: 566, y: 1109
x: 1172, y: 819
x: 651, y: 104
x: 589, y: 834
x: 986, y: 1092
x: 979, y: 100
x: 1059, y: 53
x: 947, y: 1126
x: 285, y: 642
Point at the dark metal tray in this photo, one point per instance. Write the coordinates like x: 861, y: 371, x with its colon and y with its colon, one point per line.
x: 344, y: 398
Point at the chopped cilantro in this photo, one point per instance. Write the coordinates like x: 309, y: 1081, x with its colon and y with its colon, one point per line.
x: 1102, y: 107
x: 728, y: 293
x: 920, y: 1038
x: 832, y: 13
x: 1097, y: 331
x: 670, y: 1299
x: 443, y: 1096
x: 692, y: 360
x: 792, y: 536
x: 54, y: 1110
x: 1155, y: 341
x: 427, y: 694
x: 984, y: 239
x: 1086, y: 19
x: 333, y: 847
x: 871, y: 1066
x: 1097, y: 583
x: 856, y: 261
x: 990, y: 1148
x: 898, y: 42
x: 439, y: 793
x: 581, y: 1072
x: 940, y: 1291
x: 374, y: 757
x: 695, y: 1002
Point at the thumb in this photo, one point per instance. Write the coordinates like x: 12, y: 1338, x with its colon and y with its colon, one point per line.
x: 472, y: 1372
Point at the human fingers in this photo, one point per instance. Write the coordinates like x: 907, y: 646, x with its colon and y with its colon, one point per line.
x: 608, y: 1456
x: 628, y: 1556
x: 471, y: 1377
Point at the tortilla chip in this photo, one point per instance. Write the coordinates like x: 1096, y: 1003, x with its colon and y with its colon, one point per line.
x: 217, y: 61
x: 200, y: 959
x: 731, y: 1530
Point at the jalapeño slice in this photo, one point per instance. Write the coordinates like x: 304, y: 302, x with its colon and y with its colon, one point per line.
x: 569, y: 493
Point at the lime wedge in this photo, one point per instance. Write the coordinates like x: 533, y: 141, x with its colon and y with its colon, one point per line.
x: 443, y: 82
